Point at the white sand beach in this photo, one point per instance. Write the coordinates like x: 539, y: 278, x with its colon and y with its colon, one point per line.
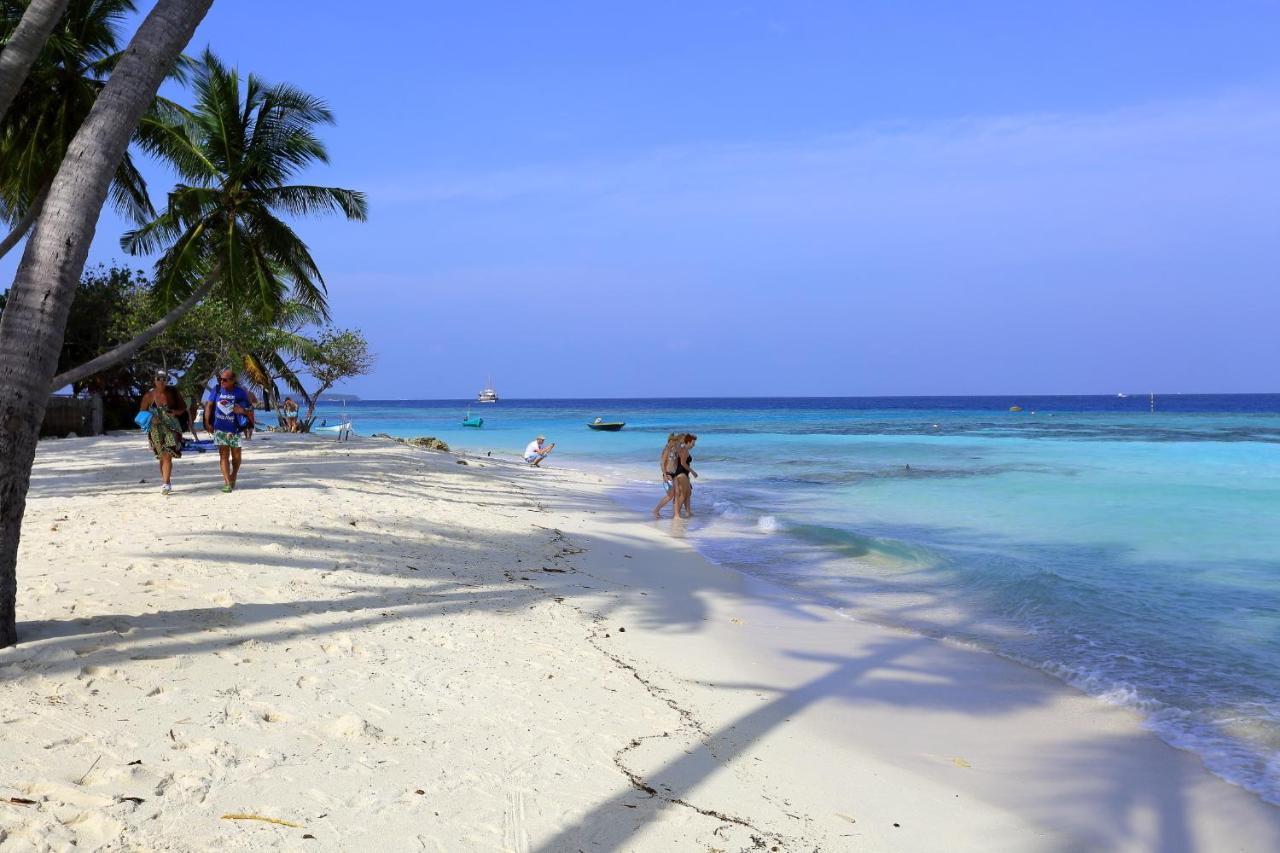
x: 369, y: 646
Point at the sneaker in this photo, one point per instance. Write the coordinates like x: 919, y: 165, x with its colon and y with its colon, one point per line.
x: 166, y: 489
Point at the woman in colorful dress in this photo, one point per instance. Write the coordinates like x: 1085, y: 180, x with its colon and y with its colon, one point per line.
x: 164, y: 431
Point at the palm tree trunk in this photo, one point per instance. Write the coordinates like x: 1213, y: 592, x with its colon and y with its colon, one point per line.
x: 126, y: 350
x: 24, y: 224
x: 25, y: 45
x: 35, y: 316
x: 273, y: 397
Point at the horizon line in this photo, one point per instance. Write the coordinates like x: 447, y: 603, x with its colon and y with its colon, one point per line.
x: 1137, y: 396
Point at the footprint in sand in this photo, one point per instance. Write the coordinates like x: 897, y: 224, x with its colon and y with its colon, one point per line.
x: 94, y: 830
x: 186, y: 788
x: 339, y: 646
x: 72, y: 740
x: 351, y: 727
x: 268, y: 714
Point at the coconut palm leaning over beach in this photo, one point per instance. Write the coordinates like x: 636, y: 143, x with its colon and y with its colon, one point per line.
x: 48, y: 107
x: 35, y: 315
x: 236, y: 152
x: 27, y: 38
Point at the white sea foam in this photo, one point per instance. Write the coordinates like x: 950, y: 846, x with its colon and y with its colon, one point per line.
x: 767, y: 524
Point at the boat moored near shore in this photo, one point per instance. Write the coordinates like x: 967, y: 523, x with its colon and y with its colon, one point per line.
x: 601, y: 425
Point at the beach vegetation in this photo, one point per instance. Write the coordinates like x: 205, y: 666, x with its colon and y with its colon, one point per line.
x: 46, y: 109
x: 237, y: 152
x: 338, y: 354
x: 233, y: 283
x: 36, y: 311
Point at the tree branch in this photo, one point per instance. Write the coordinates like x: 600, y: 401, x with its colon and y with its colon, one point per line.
x: 24, y: 224
x: 129, y: 348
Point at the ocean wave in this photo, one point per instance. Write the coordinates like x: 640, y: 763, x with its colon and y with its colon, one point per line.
x: 1252, y: 762
x: 853, y: 475
x: 1040, y: 428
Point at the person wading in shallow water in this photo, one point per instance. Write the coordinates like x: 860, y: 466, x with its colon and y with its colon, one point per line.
x: 682, y: 485
x: 667, y: 463
x: 164, y: 432
x: 229, y: 413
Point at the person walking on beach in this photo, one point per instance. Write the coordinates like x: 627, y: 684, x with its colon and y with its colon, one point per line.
x: 536, y: 451
x: 668, y: 461
x: 229, y: 413
x: 164, y: 430
x: 683, y: 486
x: 189, y: 410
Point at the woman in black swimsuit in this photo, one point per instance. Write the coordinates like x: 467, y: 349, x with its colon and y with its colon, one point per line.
x: 684, y: 470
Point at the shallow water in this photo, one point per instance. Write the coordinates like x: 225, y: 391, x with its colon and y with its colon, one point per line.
x: 1135, y: 554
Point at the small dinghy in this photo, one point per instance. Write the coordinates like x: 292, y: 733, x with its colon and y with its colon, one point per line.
x: 606, y: 426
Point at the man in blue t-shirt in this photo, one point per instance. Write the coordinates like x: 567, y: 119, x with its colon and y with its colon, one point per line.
x: 228, y: 412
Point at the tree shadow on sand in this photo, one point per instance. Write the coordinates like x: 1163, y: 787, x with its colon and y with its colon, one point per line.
x: 378, y: 578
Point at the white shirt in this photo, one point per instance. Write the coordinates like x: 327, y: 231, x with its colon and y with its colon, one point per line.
x: 533, y: 449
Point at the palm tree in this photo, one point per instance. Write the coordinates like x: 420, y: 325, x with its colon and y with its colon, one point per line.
x: 50, y: 106
x: 36, y: 312
x: 26, y: 39
x: 278, y: 351
x: 236, y: 152
x: 269, y: 348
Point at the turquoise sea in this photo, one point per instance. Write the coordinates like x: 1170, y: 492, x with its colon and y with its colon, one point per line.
x: 1134, y: 554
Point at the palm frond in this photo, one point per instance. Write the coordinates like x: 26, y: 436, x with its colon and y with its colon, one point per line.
x: 301, y: 200
x: 129, y: 192
x: 235, y: 150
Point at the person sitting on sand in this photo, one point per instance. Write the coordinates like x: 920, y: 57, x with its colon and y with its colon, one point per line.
x: 536, y: 451
x: 667, y: 463
x: 228, y: 413
x: 164, y: 433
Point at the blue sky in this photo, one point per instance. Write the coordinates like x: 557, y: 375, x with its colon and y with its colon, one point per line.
x: 740, y: 198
